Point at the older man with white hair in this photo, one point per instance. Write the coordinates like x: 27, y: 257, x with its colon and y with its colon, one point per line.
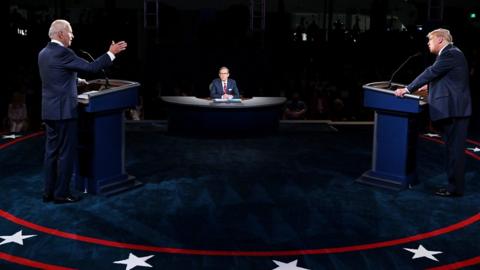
x: 58, y: 66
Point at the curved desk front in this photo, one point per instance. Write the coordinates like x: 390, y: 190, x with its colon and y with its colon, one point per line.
x: 197, y: 115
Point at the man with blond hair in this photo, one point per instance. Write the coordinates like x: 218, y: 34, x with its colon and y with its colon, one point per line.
x: 58, y: 66
x: 450, y: 105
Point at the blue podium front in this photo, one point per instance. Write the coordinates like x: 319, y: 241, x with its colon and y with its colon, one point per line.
x: 394, y: 138
x: 102, y: 136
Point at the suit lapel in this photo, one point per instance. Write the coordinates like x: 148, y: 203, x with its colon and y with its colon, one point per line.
x: 220, y: 85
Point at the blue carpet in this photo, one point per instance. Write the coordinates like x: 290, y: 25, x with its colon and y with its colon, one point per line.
x: 207, y: 203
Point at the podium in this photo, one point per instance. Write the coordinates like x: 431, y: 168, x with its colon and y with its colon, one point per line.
x: 101, y: 168
x: 394, y: 138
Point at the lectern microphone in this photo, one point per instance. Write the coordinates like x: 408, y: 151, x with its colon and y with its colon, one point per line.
x: 107, y: 83
x: 400, y: 67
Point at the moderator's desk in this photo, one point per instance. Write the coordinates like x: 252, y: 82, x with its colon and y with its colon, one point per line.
x: 196, y: 115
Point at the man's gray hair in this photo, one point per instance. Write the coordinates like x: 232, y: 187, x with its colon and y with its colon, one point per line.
x: 220, y: 69
x: 57, y: 26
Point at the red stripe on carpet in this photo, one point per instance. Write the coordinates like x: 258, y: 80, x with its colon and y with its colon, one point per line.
x: 432, y: 139
x: 30, y: 263
x: 23, y: 138
x: 92, y: 240
x: 473, y: 142
x: 473, y: 155
x: 458, y: 265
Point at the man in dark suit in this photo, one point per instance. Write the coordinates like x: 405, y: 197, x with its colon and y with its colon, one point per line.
x: 223, y: 87
x: 449, y: 104
x: 58, y: 67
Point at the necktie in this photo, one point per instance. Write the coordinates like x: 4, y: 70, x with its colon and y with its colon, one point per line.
x: 224, y: 87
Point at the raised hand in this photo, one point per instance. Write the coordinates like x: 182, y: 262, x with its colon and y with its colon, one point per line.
x: 118, y: 47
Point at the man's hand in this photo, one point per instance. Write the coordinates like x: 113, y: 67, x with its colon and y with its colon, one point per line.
x: 81, y: 81
x: 227, y: 96
x: 423, y: 88
x: 118, y: 47
x: 400, y: 92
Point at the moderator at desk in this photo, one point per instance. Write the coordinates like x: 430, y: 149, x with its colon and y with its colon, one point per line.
x: 188, y: 114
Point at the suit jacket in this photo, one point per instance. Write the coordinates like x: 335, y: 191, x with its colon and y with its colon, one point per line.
x: 216, y: 88
x: 58, y: 70
x: 449, y: 89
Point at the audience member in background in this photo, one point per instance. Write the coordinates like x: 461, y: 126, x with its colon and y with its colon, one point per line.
x: 137, y: 112
x: 223, y: 87
x: 17, y: 113
x: 295, y: 108
x: 338, y: 109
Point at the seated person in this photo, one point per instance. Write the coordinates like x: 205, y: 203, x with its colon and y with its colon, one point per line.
x: 224, y: 87
x: 295, y: 108
x: 17, y: 113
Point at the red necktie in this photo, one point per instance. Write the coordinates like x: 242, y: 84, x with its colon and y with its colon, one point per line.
x: 224, y: 87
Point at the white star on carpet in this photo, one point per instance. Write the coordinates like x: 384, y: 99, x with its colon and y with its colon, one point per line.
x: 15, y: 238
x: 475, y: 150
x: 11, y: 136
x: 431, y: 135
x: 134, y: 261
x: 421, y: 252
x: 288, y: 266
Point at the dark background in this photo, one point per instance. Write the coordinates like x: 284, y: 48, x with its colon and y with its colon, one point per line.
x: 176, y: 47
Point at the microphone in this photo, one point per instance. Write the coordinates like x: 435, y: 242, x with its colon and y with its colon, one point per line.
x: 400, y: 67
x: 107, y: 83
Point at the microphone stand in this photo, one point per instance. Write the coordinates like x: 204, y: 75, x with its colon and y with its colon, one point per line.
x: 107, y: 83
x: 400, y: 67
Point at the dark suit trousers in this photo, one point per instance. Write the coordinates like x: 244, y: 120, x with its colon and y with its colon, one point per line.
x: 455, y: 134
x: 60, y: 156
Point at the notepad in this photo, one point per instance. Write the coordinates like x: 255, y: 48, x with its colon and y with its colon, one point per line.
x: 221, y: 100
x: 86, y: 95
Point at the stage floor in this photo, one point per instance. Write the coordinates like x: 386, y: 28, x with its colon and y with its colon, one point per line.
x: 257, y: 202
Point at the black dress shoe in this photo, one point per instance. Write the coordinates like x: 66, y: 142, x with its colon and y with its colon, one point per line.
x: 68, y: 199
x: 443, y: 192
x: 47, y: 198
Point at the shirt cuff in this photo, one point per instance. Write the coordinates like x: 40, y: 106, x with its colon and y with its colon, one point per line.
x: 112, y: 56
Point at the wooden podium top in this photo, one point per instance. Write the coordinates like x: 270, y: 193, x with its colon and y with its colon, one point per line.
x: 389, y: 89
x: 117, y: 95
x: 379, y: 96
x: 98, y: 87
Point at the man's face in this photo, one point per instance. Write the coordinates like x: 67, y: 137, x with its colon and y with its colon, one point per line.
x: 435, y: 43
x: 66, y: 36
x: 223, y: 74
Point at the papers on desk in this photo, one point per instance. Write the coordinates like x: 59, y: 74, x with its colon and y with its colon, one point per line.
x: 221, y: 100
x: 86, y: 95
